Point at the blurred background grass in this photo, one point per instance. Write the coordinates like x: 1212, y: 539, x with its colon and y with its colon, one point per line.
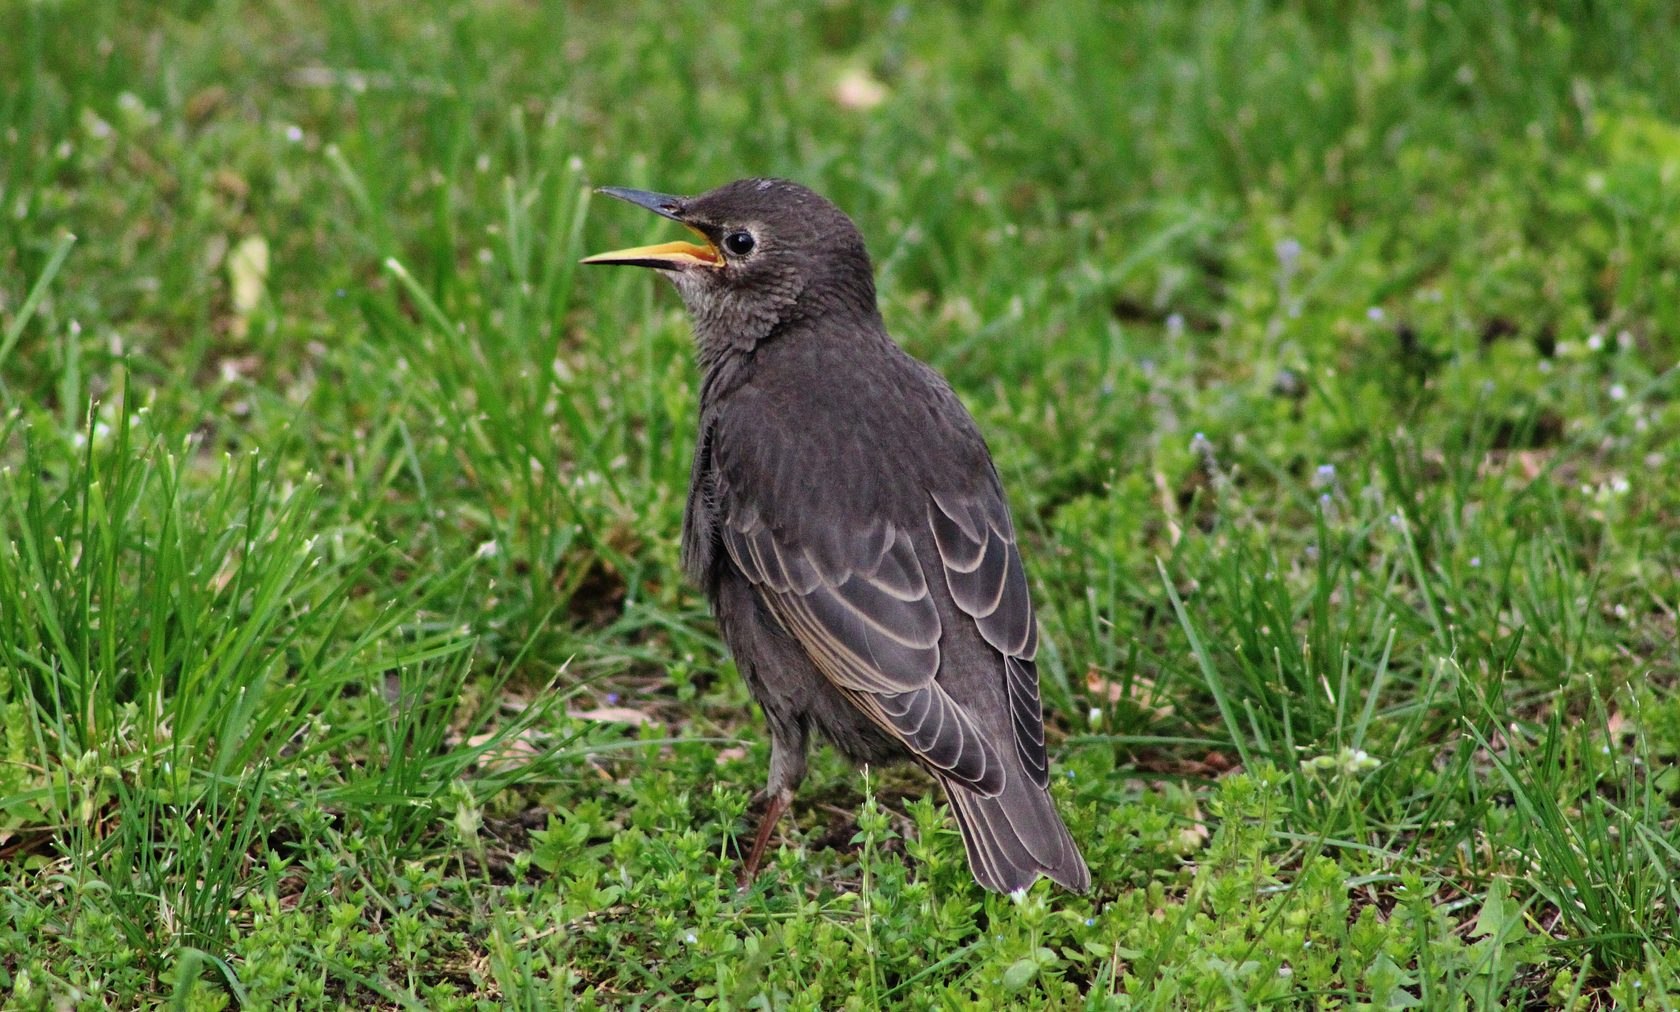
x: 1326, y: 350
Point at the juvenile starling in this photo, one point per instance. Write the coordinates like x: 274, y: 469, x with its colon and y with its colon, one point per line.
x: 846, y: 521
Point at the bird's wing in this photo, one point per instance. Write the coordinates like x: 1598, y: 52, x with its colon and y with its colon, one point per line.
x: 863, y: 611
x: 983, y: 570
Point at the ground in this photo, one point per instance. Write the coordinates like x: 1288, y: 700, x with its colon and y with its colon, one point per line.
x: 1327, y: 352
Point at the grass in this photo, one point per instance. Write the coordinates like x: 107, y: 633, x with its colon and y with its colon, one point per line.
x: 1327, y: 351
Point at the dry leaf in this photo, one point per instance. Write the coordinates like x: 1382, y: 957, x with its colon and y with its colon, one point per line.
x: 509, y: 753
x: 856, y: 89
x: 1192, y: 837
x: 611, y: 715
x: 1140, y: 692
x: 247, y: 269
x: 1531, y: 462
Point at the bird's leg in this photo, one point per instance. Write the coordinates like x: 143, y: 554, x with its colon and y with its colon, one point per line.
x: 787, y: 769
x: 779, y: 802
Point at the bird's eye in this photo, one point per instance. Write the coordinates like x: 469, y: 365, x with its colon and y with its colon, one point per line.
x: 739, y: 243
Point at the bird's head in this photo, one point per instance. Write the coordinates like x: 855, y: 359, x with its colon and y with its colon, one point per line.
x: 771, y: 252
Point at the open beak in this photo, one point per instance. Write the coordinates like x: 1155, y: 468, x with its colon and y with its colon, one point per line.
x: 665, y: 255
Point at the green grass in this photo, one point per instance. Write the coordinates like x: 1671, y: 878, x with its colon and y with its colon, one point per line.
x: 1327, y: 351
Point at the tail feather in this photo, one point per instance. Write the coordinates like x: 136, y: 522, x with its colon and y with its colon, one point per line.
x: 1016, y: 836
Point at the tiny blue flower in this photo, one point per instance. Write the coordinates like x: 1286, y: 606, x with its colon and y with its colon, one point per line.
x: 1288, y: 253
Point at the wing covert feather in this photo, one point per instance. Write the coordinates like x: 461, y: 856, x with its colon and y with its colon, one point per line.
x: 983, y: 570
x: 872, y: 627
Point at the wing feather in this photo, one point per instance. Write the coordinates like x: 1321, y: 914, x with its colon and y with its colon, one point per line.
x: 873, y: 628
x: 983, y: 570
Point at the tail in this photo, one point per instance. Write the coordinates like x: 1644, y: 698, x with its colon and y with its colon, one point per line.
x: 1016, y: 836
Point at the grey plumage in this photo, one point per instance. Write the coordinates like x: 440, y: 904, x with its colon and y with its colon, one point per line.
x: 846, y: 521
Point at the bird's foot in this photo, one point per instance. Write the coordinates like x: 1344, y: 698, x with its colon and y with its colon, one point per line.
x: 778, y: 804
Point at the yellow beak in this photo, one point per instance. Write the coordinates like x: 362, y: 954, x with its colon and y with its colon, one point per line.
x: 666, y: 255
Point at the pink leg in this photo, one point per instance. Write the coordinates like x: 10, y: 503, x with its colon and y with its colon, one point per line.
x: 779, y: 803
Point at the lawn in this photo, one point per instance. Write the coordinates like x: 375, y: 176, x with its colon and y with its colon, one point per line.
x: 1327, y: 352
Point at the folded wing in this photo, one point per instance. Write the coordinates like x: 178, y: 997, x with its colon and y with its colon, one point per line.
x: 983, y: 570
x: 867, y: 618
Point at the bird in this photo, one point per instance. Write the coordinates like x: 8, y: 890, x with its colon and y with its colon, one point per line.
x: 846, y: 522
